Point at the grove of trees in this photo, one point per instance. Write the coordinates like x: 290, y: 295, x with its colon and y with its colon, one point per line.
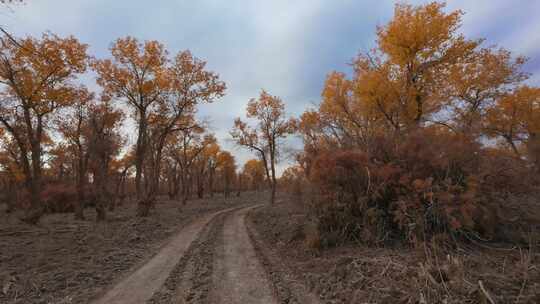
x: 62, y: 147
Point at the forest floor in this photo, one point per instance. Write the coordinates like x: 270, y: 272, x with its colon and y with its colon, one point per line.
x: 353, y: 273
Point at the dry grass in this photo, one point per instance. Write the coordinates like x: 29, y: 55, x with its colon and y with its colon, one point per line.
x: 428, y: 273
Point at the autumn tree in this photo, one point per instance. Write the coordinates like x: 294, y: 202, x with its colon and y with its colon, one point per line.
x: 226, y: 168
x: 37, y: 80
x: 162, y: 92
x: 422, y: 72
x: 404, y: 141
x: 136, y: 74
x: 211, y: 153
x: 190, y: 85
x: 476, y: 83
x: 403, y: 77
x: 59, y: 163
x: 516, y: 119
x: 272, y: 126
x: 184, y: 149
x: 125, y: 167
x: 204, y: 166
x: 104, y: 143
x: 73, y: 125
x: 12, y: 175
x: 120, y: 170
x: 343, y: 116
x: 293, y: 179
x: 254, y: 173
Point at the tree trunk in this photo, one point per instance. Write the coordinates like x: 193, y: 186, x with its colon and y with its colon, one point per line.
x: 239, y: 185
x: 170, y: 184
x: 226, y: 189
x: 146, y: 200
x: 36, y: 210
x: 102, y: 191
x: 112, y: 203
x: 118, y: 196
x: 101, y: 213
x: 184, y: 188
x: 176, y: 187
x: 79, y: 205
x: 211, y: 182
x: 200, y: 187
x: 122, y: 190
x: 268, y: 177
x: 533, y: 149
x: 144, y: 206
x: 200, y: 182
x: 140, y: 153
x: 273, y: 169
x: 11, y: 195
x: 156, y: 170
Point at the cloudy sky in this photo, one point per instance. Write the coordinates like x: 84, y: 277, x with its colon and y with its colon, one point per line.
x: 286, y: 47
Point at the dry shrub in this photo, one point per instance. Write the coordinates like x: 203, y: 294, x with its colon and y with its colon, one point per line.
x: 293, y: 182
x: 341, y: 180
x: 58, y: 197
x: 426, y: 183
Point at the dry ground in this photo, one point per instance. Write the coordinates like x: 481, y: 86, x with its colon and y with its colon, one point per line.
x: 233, y: 251
x: 66, y: 261
x: 357, y: 274
x: 215, y: 259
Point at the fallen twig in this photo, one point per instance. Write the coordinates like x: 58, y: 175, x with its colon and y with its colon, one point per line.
x: 485, y: 292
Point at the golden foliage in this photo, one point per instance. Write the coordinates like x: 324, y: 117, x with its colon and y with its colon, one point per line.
x: 272, y: 126
x: 400, y: 150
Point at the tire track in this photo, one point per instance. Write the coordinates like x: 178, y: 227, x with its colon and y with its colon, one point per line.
x: 238, y: 275
x: 216, y: 259
x: 191, y: 279
x: 143, y: 282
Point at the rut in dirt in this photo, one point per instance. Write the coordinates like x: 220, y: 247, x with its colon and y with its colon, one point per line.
x: 191, y: 279
x: 140, y: 285
x: 238, y: 274
x: 221, y: 266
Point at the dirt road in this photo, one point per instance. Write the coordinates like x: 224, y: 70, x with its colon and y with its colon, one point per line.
x: 212, y: 260
x: 238, y: 275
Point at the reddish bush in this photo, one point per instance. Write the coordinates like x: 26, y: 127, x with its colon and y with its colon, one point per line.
x: 58, y: 197
x: 426, y: 184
